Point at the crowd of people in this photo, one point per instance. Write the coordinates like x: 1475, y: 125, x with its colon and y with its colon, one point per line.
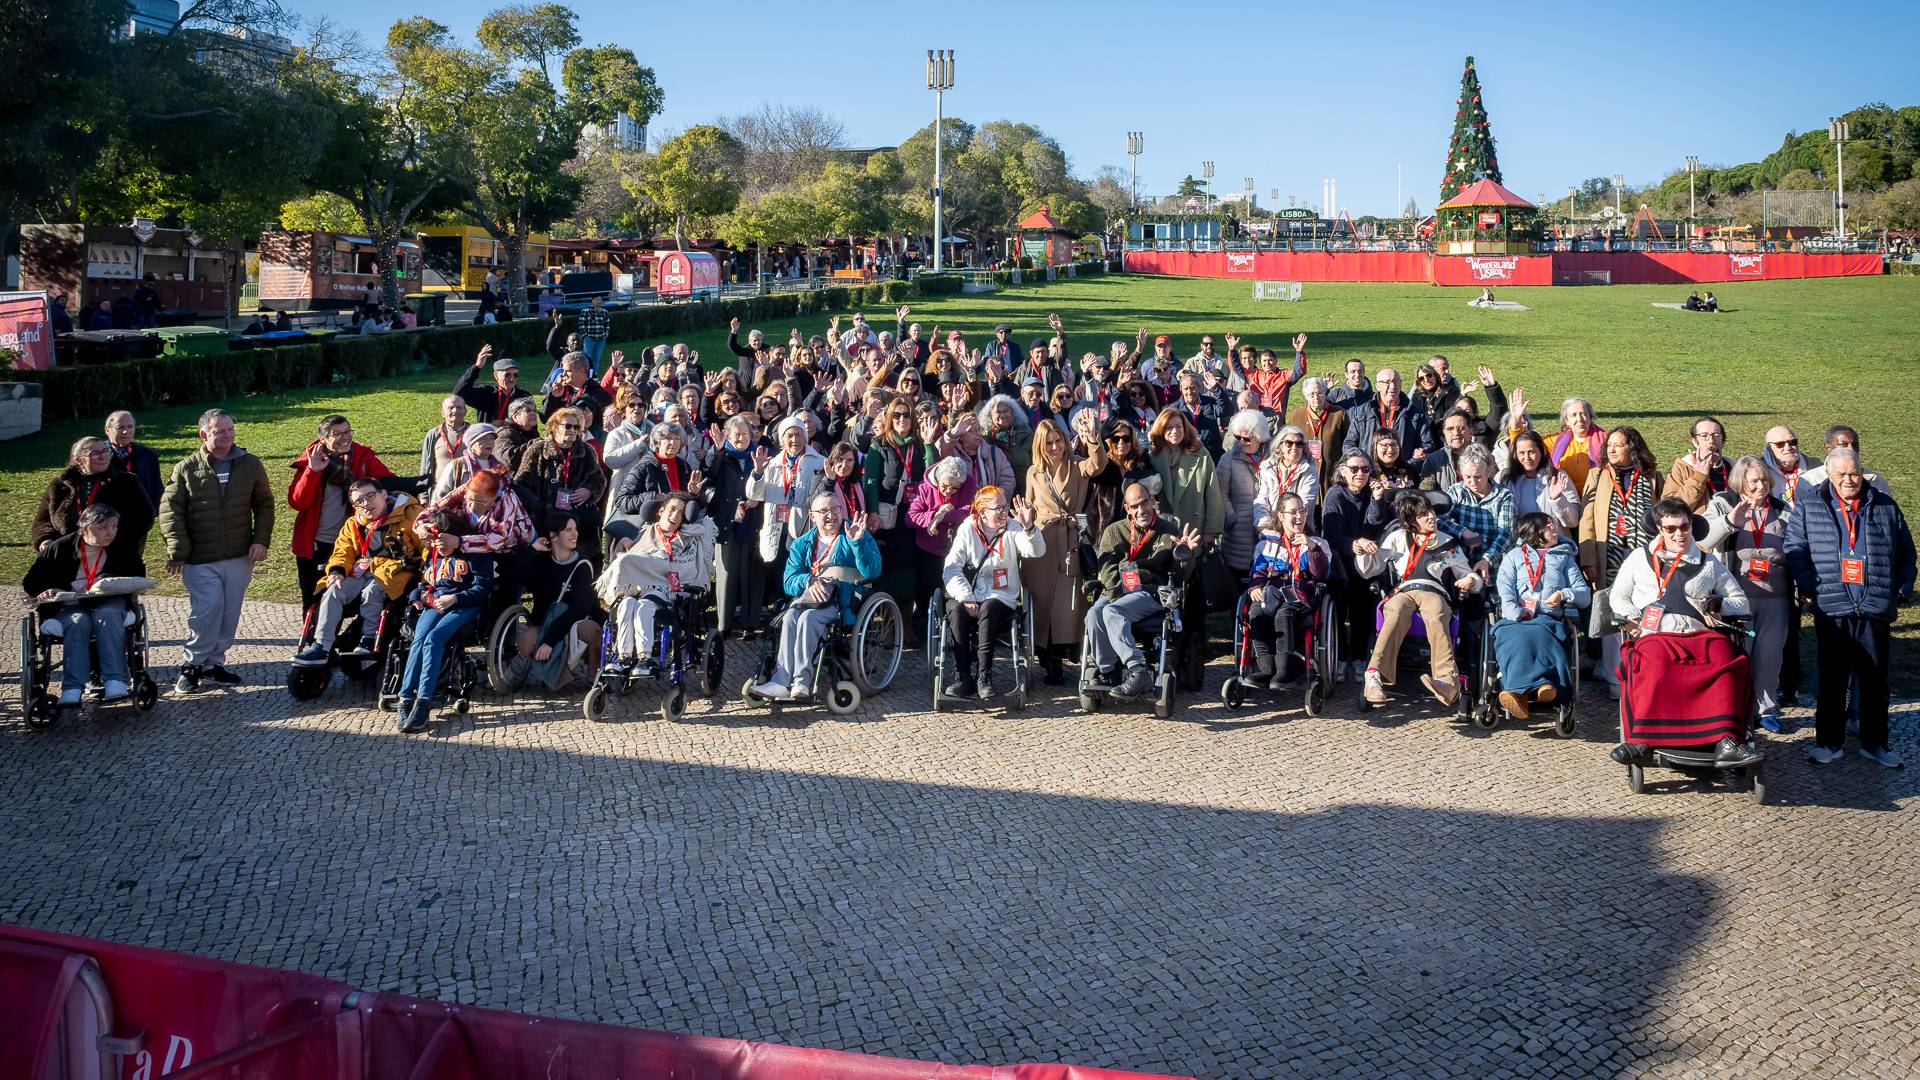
x: 976, y: 476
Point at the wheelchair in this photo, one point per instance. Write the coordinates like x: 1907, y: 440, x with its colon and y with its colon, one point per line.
x: 1156, y: 634
x: 1750, y: 776
x: 1019, y: 643
x: 307, y: 681
x: 683, y: 642
x: 1317, y: 658
x: 1467, y: 630
x: 40, y: 642
x: 458, y: 675
x: 855, y: 661
x: 1487, y: 712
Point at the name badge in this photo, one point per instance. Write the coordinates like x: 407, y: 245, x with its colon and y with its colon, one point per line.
x: 1853, y: 571
x: 562, y: 501
x: 1650, y: 618
x: 999, y: 577
x: 1759, y: 570
x: 673, y: 580
x: 1313, y: 449
x: 1130, y: 577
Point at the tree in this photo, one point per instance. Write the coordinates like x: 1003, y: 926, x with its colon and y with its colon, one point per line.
x: 51, y: 131
x: 1110, y: 191
x: 783, y: 145
x: 1800, y: 180
x: 777, y: 217
x: 1898, y: 207
x: 323, y: 211
x: 695, y: 173
x: 501, y: 127
x: 1189, y: 187
x: 1470, y: 152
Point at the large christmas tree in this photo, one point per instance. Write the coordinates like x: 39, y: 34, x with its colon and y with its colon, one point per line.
x: 1470, y: 152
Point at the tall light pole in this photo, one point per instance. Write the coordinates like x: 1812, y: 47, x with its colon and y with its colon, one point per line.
x: 1206, y: 173
x: 1571, y: 192
x: 1693, y: 168
x: 1247, y: 183
x: 1136, y: 145
x: 1619, y: 181
x: 1837, y: 135
x: 939, y: 80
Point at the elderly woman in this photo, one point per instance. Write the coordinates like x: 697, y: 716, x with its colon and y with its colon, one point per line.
x: 939, y: 505
x: 1060, y: 479
x: 1617, y: 520
x: 663, y: 471
x: 1539, y: 582
x: 1538, y: 486
x: 1419, y: 559
x: 1289, y: 469
x: 842, y: 478
x: 73, y: 563
x: 670, y: 556
x: 781, y: 487
x: 981, y: 576
x: 817, y: 602
x: 477, y: 457
x: 1290, y: 569
x: 1357, y: 507
x: 561, y: 472
x: 521, y: 431
x: 1482, y: 510
x: 626, y: 441
x: 1005, y: 426
x: 1325, y: 425
x: 1239, y: 470
x: 1578, y: 448
x: 1747, y: 529
x: 88, y: 480
x: 986, y: 463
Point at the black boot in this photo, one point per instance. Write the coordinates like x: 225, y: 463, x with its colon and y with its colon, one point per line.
x: 1053, y: 663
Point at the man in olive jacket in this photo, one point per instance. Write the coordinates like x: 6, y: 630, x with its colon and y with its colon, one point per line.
x: 1137, y: 556
x: 217, y: 518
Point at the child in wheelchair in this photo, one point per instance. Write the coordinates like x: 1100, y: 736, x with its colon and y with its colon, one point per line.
x: 670, y: 560
x: 74, y: 564
x: 451, y: 594
x: 982, y: 582
x: 374, y: 561
x: 1289, y: 575
x: 1425, y: 565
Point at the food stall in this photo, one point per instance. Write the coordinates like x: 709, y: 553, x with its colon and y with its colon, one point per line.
x: 311, y: 269
x: 456, y: 258
x: 691, y: 275
x: 90, y: 263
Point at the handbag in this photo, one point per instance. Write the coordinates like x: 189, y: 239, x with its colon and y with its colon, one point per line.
x: 1214, y: 576
x: 889, y: 515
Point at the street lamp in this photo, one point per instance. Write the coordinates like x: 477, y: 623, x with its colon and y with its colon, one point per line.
x: 1837, y: 135
x: 1136, y: 145
x: 939, y: 80
x: 1693, y: 168
x: 1206, y: 173
x: 1619, y: 181
x: 1571, y: 192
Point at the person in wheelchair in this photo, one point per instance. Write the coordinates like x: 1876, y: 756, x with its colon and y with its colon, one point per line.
x: 817, y: 602
x: 374, y: 561
x: 1424, y: 566
x: 562, y: 649
x: 1137, y: 556
x: 1669, y: 586
x: 982, y: 581
x: 451, y: 594
x: 669, y: 559
x: 1539, y: 584
x: 72, y: 563
x: 1290, y: 571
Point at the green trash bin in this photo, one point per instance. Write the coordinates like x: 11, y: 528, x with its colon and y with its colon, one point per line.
x: 193, y: 340
x: 429, y: 307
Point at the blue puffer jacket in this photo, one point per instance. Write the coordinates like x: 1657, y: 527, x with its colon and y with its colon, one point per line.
x: 1817, y: 538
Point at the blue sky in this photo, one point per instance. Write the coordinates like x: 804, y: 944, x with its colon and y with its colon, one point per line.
x: 1285, y: 93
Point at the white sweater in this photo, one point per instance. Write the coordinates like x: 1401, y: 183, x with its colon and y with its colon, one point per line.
x: 970, y: 550
x: 1637, y: 586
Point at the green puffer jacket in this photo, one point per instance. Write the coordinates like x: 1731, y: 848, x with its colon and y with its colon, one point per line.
x: 203, y: 524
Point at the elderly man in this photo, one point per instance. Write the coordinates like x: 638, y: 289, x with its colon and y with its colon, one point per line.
x: 1325, y: 426
x: 491, y: 403
x: 1482, y: 509
x: 127, y: 456
x: 447, y: 440
x: 1852, y: 556
x: 1787, y: 467
x: 910, y: 343
x: 859, y: 334
x: 1701, y: 473
x: 1439, y: 470
x: 217, y: 518
x: 1137, y: 555
x: 576, y: 390
x: 749, y: 353
x: 1842, y: 437
x: 1201, y: 412
x: 1388, y: 410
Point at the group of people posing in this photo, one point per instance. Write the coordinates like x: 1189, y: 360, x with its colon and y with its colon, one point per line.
x: 1001, y: 474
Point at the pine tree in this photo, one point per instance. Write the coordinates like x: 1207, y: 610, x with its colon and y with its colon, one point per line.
x: 1470, y: 153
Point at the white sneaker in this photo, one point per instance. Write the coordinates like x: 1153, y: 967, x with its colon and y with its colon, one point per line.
x: 1376, y: 691
x: 1886, y: 758
x: 801, y: 691
x: 1821, y: 755
x: 68, y: 697
x: 115, y: 690
x: 771, y: 689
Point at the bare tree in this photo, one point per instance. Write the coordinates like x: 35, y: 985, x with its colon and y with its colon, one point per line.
x: 784, y: 144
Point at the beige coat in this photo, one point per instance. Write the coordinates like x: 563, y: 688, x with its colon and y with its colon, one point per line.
x: 1053, y: 580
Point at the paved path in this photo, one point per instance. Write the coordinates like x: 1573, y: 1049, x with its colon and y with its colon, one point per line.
x: 1225, y: 894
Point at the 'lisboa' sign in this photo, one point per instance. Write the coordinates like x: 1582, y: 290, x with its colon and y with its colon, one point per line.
x: 1295, y: 213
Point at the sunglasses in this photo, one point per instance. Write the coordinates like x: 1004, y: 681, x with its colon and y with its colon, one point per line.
x: 1246, y: 438
x: 1788, y: 442
x: 1293, y: 442
x: 1683, y: 527
x: 570, y: 427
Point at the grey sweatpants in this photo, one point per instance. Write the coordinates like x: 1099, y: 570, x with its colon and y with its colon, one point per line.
x: 215, y: 592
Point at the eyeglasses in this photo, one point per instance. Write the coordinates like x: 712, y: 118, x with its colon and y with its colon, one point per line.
x: 1361, y: 469
x: 98, y: 451
x: 1293, y: 442
x: 569, y: 427
x: 1788, y: 442
x: 364, y: 500
x: 1247, y: 439
x: 1683, y: 527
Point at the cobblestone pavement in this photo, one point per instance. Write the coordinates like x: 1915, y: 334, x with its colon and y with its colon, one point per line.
x: 1223, y: 894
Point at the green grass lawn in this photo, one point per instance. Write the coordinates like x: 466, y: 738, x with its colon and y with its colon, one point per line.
x: 1804, y: 353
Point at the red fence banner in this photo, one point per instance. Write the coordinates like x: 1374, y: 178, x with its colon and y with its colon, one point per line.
x: 26, y: 329
x: 1746, y: 265
x: 1623, y: 267
x: 1492, y: 270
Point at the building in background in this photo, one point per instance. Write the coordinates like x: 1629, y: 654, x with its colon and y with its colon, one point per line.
x: 151, y: 16
x: 622, y: 134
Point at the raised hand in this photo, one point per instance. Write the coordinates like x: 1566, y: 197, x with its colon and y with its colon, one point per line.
x: 903, y: 313
x: 618, y: 355
x: 1140, y: 338
x: 1557, y: 486
x: 486, y: 354
x: 1023, y: 510
x: 317, y: 458
x: 1233, y: 343
x: 1300, y: 342
x: 1054, y: 321
x: 833, y: 325
x: 929, y: 428
x: 1518, y: 402
x: 856, y: 526
x: 733, y: 325
x: 694, y: 480
x: 1486, y: 376
x: 1189, y: 538
x: 760, y: 456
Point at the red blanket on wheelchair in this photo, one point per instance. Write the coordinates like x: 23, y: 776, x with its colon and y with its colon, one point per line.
x: 1683, y: 690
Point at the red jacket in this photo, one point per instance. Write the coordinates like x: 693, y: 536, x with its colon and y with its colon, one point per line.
x: 305, y: 492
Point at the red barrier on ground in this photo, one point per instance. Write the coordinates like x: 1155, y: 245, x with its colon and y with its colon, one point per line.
x: 1624, y: 267
x: 201, y: 1019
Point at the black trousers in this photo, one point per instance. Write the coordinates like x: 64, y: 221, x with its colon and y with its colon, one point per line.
x: 1353, y: 610
x: 1276, y: 637
x: 973, y: 636
x: 1849, y: 648
x: 1790, y: 658
x: 309, y: 572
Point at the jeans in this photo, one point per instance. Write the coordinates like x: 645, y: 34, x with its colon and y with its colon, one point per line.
x: 364, y: 591
x: 1110, y: 628
x: 593, y: 347
x: 105, y: 625
x: 801, y: 633
x: 434, y: 631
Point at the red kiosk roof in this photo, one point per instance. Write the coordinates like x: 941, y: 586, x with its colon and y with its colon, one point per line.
x: 1484, y: 193
x: 1042, y: 220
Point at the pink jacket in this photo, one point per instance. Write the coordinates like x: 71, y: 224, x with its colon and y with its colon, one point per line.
x: 927, y: 499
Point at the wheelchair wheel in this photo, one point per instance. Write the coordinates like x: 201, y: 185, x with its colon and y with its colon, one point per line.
x: 844, y: 697
x: 307, y: 681
x: 1486, y: 716
x: 713, y: 663
x: 41, y: 714
x: 594, y: 707
x: 1163, y: 701
x: 1233, y: 693
x: 392, y: 670
x: 878, y: 634
x: 500, y: 640
x: 1636, y: 779
x: 28, y: 692
x: 146, y: 695
x: 673, y: 707
x: 1566, y: 720
x: 1316, y: 696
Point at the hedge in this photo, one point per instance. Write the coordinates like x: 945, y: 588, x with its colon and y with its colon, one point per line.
x: 91, y: 391
x: 1906, y: 269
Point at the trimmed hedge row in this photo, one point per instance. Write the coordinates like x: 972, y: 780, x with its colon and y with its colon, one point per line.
x: 75, y: 392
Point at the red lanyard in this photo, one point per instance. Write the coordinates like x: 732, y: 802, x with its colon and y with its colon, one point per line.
x: 93, y: 492
x: 821, y: 559
x: 566, y: 468
x: 453, y: 448
x: 787, y: 477
x: 92, y: 573
x: 1293, y: 553
x: 1387, y: 412
x: 1534, y: 574
x: 993, y: 548
x: 1133, y: 550
x: 906, y: 467
x: 1759, y: 521
x: 433, y: 570
x: 363, y: 538
x: 672, y: 466
x: 666, y: 541
x: 1321, y: 423
x: 1620, y: 525
x: 1413, y: 556
x: 852, y: 496
x: 501, y: 398
x: 1660, y: 579
x: 1292, y: 474
x: 1850, y: 513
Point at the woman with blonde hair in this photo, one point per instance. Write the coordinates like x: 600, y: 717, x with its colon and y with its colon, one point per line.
x: 1058, y: 484
x: 981, y: 576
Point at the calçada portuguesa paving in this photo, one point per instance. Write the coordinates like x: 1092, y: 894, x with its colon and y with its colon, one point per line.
x: 1223, y: 894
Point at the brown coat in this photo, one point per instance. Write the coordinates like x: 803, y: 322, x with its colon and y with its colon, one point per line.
x: 1333, y: 435
x: 1054, y: 585
x: 1688, y: 484
x: 1596, y: 510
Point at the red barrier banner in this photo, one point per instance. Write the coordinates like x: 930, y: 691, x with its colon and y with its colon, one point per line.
x: 1746, y: 265
x: 1492, y: 270
x: 26, y: 329
x: 1623, y: 267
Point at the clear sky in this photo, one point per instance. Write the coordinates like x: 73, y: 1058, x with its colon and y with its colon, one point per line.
x: 1285, y: 93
